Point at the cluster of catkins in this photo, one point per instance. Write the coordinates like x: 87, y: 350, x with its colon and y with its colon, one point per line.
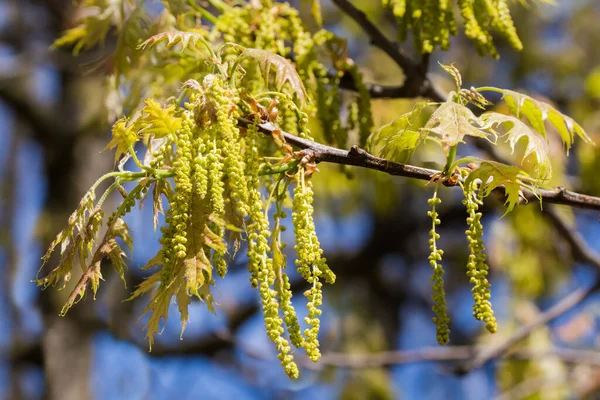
x: 432, y: 22
x: 477, y: 268
x: 216, y: 196
x: 217, y: 184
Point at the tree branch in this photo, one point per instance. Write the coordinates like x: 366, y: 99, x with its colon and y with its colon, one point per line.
x: 445, y: 354
x: 377, y: 91
x: 416, y: 83
x: 360, y: 158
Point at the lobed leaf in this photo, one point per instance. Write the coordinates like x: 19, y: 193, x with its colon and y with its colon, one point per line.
x: 494, y: 174
x: 452, y: 121
x: 517, y: 130
x: 284, y: 71
x: 398, y: 139
x: 538, y: 112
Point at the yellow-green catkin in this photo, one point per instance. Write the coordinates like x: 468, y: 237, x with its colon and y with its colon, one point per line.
x: 363, y: 102
x: 283, y: 285
x: 183, y: 185
x: 260, y: 264
x: 472, y: 28
x: 505, y: 25
x: 328, y: 101
x: 477, y: 268
x: 310, y: 262
x: 431, y: 22
x: 441, y: 319
x: 228, y: 139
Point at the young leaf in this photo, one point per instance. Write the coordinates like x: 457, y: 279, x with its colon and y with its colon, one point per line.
x: 174, y: 37
x: 159, y: 305
x: 493, y: 174
x: 454, y: 73
x: 158, y: 121
x: 123, y: 136
x: 452, y: 121
x: 284, y: 70
x: 398, y: 139
x: 517, y: 130
x: 92, y: 276
x: 538, y: 112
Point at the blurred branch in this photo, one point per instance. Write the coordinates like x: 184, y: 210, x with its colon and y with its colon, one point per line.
x: 579, y: 248
x: 27, y: 109
x: 531, y: 387
x: 377, y: 91
x: 416, y: 82
x: 582, y: 253
x: 358, y: 157
x: 442, y: 354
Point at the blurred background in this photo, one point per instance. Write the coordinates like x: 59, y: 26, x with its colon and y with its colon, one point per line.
x: 373, y: 229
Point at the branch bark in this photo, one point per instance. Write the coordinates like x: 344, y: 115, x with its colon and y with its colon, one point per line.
x: 360, y: 158
x: 445, y: 354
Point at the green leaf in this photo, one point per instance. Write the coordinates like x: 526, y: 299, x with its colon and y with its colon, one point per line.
x: 284, y: 71
x: 517, y: 130
x: 398, y: 139
x: 452, y: 121
x: 494, y: 174
x: 538, y: 112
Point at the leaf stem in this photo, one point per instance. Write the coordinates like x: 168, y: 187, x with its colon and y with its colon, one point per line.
x: 450, y: 160
x: 108, y: 191
x: 489, y: 89
x: 136, y: 160
x: 278, y: 169
x: 205, y: 13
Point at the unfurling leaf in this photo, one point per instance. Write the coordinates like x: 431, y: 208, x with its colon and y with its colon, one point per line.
x: 123, y: 137
x: 452, y: 121
x: 284, y: 71
x: 454, y: 73
x: 158, y: 121
x: 398, y: 139
x: 538, y: 112
x: 174, y: 37
x: 493, y: 174
x: 517, y: 130
x: 160, y: 187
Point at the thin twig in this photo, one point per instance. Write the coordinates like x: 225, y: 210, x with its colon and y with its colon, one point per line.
x: 417, y: 83
x: 360, y: 158
x: 581, y: 251
x: 377, y: 91
x: 560, y: 308
x: 445, y: 354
